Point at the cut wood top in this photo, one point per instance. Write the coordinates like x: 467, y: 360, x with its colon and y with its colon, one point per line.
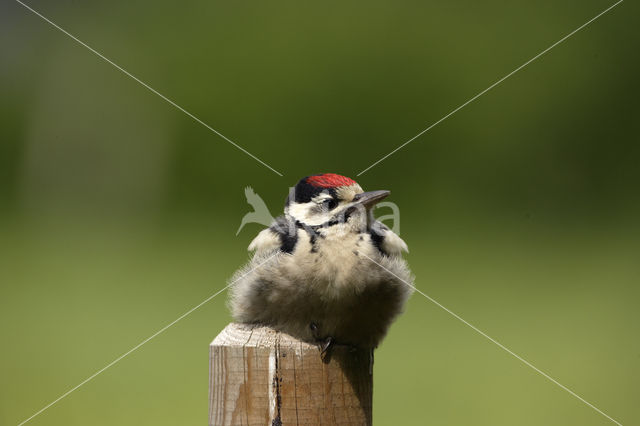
x: 261, y: 376
x: 250, y: 335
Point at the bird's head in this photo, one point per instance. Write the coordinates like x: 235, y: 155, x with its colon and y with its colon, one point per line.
x: 330, y: 198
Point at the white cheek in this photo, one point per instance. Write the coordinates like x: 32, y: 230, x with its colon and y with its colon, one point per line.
x: 304, y: 214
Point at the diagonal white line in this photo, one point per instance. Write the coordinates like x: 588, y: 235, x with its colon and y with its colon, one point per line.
x: 500, y: 345
x: 146, y: 86
x: 136, y: 347
x: 493, y: 85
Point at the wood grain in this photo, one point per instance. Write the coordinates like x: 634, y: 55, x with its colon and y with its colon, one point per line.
x: 259, y: 376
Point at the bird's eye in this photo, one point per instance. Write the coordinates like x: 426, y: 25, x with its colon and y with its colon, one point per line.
x: 330, y: 203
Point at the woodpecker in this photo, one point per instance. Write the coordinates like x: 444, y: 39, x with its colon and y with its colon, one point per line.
x: 326, y: 271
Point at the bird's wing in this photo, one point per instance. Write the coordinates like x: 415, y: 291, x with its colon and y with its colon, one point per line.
x: 266, y: 240
x: 281, y: 235
x: 387, y: 240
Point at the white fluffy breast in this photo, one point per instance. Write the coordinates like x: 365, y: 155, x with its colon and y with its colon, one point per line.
x: 335, y: 264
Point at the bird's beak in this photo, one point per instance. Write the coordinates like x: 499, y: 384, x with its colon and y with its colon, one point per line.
x: 371, y: 198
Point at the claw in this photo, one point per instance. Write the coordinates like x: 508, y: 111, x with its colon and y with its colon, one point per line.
x: 324, y: 344
x: 325, y: 348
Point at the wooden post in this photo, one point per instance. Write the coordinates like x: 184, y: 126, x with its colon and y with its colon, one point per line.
x: 258, y: 376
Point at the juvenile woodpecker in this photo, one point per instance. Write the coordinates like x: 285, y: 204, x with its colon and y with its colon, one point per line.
x: 314, y: 273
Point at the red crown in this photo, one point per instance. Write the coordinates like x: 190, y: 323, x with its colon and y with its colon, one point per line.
x: 330, y: 180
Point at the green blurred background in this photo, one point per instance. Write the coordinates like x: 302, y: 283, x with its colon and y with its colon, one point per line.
x: 118, y: 212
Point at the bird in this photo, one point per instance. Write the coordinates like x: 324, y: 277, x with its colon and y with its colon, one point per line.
x: 260, y: 213
x: 325, y: 271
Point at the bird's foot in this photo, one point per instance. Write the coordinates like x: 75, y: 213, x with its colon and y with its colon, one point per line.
x: 325, y: 348
x: 324, y: 344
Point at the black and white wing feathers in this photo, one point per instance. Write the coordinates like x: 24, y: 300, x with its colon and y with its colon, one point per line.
x: 281, y: 235
x: 387, y: 241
